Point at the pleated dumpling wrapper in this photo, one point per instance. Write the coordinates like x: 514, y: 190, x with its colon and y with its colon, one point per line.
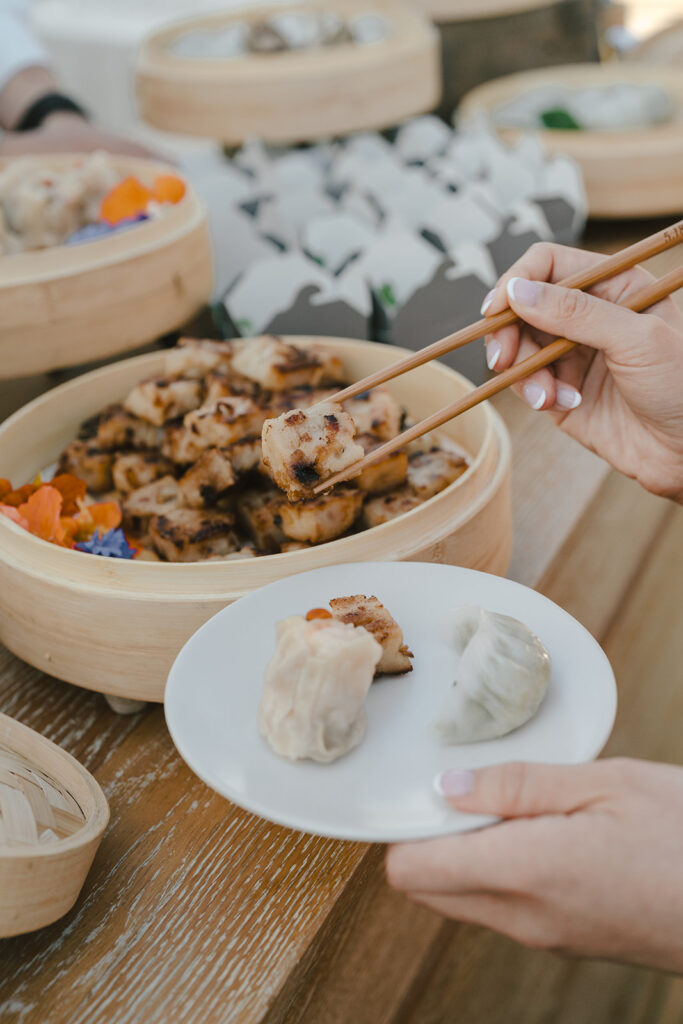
x: 313, y: 702
x: 503, y: 676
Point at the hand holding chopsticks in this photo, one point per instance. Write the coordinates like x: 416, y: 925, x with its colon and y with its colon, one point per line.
x: 644, y: 298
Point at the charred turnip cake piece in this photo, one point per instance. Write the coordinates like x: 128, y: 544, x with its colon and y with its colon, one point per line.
x: 259, y: 512
x: 277, y: 402
x: 371, y: 614
x: 135, y: 469
x: 245, y: 455
x: 225, y: 421
x: 385, y: 475
x: 375, y: 412
x: 385, y: 507
x: 430, y: 472
x: 188, y: 535
x: 86, y: 461
x: 207, y: 481
x: 276, y: 364
x: 322, y: 518
x: 303, y: 447
x: 222, y: 383
x: 195, y: 357
x: 163, y: 399
x: 158, y: 498
x: 118, y: 429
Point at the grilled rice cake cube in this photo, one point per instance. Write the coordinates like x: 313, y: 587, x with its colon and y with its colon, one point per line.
x: 333, y: 367
x: 260, y: 513
x: 226, y: 421
x: 163, y: 398
x: 429, y: 472
x: 276, y: 364
x: 385, y: 507
x: 207, y: 481
x: 245, y: 455
x: 385, y: 475
x: 195, y: 357
x: 277, y: 402
x: 86, y: 461
x: 119, y: 430
x: 371, y: 614
x: 190, y: 535
x: 375, y: 412
x: 224, y: 383
x: 181, y: 445
x: 135, y: 469
x: 155, y: 499
x: 322, y: 518
x: 305, y: 446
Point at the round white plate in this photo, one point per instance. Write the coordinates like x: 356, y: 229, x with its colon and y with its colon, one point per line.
x: 382, y: 790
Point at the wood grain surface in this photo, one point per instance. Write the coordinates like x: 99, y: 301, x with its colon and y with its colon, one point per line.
x: 195, y: 911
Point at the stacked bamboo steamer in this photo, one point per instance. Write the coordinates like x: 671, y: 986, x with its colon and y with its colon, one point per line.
x: 52, y: 816
x: 294, y: 96
x: 116, y: 626
x: 66, y: 306
x: 484, y: 39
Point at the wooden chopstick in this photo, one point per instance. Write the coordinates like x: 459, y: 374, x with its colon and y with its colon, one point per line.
x: 609, y: 267
x: 642, y: 299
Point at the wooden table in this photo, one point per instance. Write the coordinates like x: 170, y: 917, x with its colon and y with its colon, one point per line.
x: 195, y: 911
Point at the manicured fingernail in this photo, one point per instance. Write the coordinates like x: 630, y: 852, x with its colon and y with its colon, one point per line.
x: 523, y: 291
x: 454, y: 783
x: 534, y: 395
x: 567, y: 397
x: 488, y: 299
x: 492, y: 354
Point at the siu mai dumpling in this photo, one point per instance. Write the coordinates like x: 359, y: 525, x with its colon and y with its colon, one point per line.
x: 313, y: 702
x: 503, y: 676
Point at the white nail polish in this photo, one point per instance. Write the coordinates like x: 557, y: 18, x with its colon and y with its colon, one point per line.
x: 535, y: 396
x: 567, y: 397
x: 493, y: 351
x: 488, y: 299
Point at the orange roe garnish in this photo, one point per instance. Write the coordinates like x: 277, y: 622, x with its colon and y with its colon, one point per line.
x: 72, y: 491
x: 5, y: 488
x: 126, y: 200
x: 318, y: 613
x: 19, y: 496
x: 168, y: 188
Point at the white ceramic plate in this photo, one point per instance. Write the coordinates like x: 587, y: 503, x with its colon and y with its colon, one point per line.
x: 382, y: 790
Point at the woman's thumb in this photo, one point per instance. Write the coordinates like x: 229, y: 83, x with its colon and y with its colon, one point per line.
x: 518, y: 790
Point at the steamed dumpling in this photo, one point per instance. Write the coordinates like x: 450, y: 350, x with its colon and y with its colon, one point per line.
x: 313, y: 702
x: 503, y: 677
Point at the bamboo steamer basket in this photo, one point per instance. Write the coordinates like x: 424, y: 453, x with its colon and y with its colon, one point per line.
x: 626, y: 173
x: 116, y: 626
x: 45, y: 794
x: 73, y: 304
x: 293, y: 96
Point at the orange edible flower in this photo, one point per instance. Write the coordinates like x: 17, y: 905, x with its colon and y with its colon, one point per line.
x: 42, y: 514
x: 13, y: 514
x: 126, y: 200
x: 19, y: 496
x: 5, y: 488
x: 168, y: 188
x: 106, y: 515
x: 318, y: 613
x: 72, y: 491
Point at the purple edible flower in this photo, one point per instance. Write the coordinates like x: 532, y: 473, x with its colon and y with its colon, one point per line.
x: 112, y: 544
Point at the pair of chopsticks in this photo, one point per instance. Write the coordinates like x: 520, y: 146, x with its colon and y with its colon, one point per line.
x: 642, y: 299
